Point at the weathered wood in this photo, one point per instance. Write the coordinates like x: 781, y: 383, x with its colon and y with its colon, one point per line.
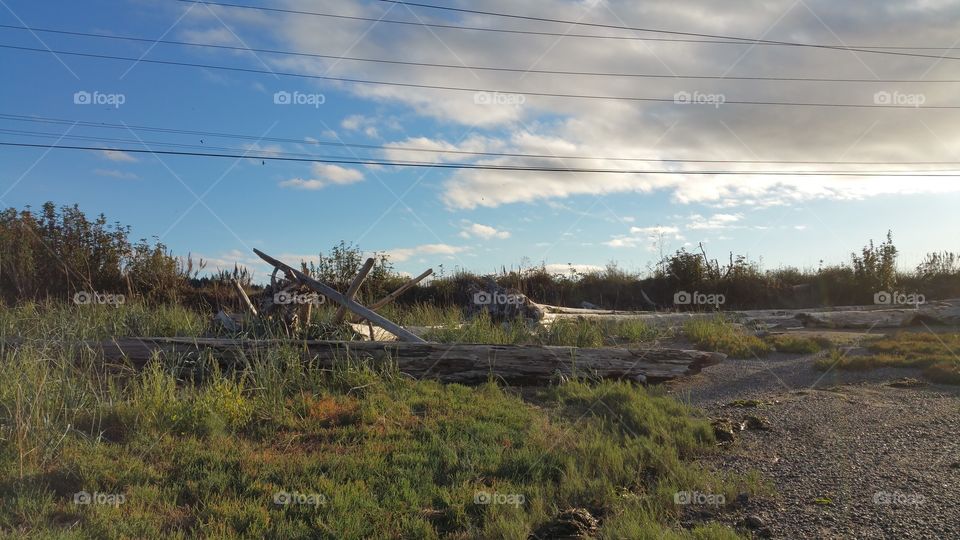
x: 354, y: 287
x: 945, y: 312
x: 402, y: 289
x: 332, y: 294
x: 245, y: 298
x: 452, y: 363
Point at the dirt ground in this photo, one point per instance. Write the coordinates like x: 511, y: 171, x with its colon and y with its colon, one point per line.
x: 847, y: 455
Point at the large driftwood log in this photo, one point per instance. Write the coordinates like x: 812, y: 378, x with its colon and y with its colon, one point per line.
x: 940, y: 313
x: 452, y: 363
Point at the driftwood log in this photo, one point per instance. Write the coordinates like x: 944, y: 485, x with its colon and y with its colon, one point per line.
x: 946, y: 312
x: 451, y: 363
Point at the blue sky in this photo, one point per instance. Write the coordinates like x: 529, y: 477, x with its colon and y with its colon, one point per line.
x: 221, y: 208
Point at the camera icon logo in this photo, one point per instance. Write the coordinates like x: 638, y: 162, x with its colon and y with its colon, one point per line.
x: 82, y: 98
x: 482, y: 497
x: 82, y: 298
x: 282, y: 98
x: 482, y: 298
x: 883, y: 98
x: 282, y: 298
x: 682, y: 97
x: 882, y: 298
x: 82, y: 497
x: 482, y: 98
x: 682, y: 298
x: 282, y: 498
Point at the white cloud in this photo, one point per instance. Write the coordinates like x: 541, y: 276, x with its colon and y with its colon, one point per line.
x: 328, y: 174
x: 716, y: 221
x: 486, y: 232
x: 405, y: 254
x: 649, y: 130
x: 649, y: 235
x: 116, y: 155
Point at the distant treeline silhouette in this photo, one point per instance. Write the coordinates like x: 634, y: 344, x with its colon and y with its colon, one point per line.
x: 56, y: 253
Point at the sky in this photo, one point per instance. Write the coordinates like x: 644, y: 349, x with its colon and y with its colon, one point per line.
x: 220, y: 208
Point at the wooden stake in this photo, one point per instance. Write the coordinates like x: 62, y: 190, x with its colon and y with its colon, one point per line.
x: 403, y: 288
x: 352, y: 290
x: 245, y: 298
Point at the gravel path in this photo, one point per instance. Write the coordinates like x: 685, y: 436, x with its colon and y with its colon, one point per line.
x: 847, y: 456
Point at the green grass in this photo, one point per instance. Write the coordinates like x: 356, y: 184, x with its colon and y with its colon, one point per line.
x: 720, y: 335
x: 67, y: 321
x: 579, y: 332
x: 936, y: 354
x: 797, y: 344
x: 382, y: 455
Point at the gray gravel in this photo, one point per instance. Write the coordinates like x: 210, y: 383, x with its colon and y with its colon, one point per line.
x: 884, y: 462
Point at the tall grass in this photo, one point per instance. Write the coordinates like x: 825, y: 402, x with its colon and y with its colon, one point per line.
x: 391, y: 457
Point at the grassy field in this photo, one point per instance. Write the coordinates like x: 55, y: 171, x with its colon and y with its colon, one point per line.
x: 278, y: 449
x: 937, y: 354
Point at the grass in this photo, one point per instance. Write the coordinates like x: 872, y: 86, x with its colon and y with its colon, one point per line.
x: 936, y: 354
x: 720, y: 335
x: 182, y: 450
x: 67, y: 321
x: 579, y: 332
x: 797, y: 344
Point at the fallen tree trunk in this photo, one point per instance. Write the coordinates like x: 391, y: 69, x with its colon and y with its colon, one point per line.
x: 451, y: 363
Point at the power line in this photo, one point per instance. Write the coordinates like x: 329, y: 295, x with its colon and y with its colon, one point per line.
x: 472, y: 166
x: 467, y: 67
x: 657, y: 30
x: 472, y: 90
x: 726, y: 40
x: 237, y: 136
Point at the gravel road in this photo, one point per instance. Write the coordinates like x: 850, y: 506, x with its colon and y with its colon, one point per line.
x: 847, y: 455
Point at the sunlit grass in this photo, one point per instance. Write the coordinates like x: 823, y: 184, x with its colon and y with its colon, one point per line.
x: 382, y: 455
x: 937, y: 354
x: 719, y: 335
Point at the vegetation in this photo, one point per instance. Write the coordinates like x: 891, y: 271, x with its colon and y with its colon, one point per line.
x: 935, y: 353
x: 55, y: 253
x: 798, y: 344
x: 279, y: 449
x: 720, y: 335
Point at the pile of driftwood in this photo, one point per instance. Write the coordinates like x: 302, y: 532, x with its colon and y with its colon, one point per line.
x: 390, y: 342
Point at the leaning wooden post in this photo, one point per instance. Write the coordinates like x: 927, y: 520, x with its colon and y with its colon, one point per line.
x: 332, y: 294
x: 245, y: 298
x: 403, y: 288
x: 352, y: 290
